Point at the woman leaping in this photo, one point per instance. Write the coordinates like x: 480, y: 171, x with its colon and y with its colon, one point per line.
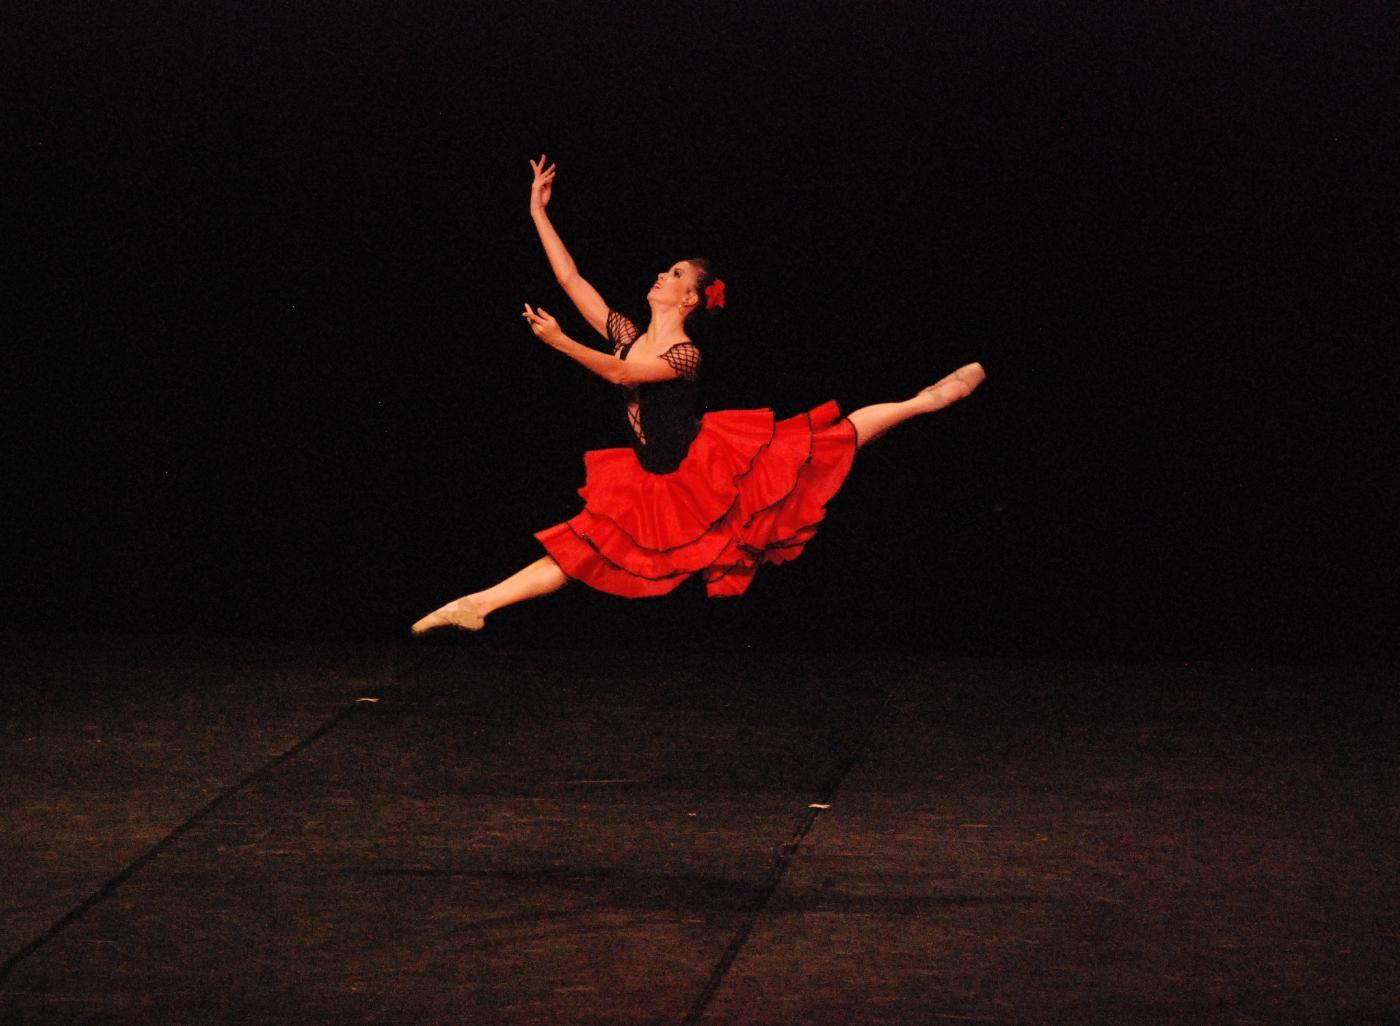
x: 713, y: 496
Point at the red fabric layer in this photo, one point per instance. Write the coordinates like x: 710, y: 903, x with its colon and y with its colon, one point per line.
x: 751, y: 490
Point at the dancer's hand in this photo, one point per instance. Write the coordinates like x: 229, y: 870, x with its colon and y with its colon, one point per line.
x: 544, y: 326
x: 542, y: 186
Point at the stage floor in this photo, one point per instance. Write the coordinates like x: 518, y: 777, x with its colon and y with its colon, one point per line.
x: 222, y: 831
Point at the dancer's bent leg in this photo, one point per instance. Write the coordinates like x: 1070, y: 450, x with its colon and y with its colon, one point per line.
x: 470, y: 611
x: 873, y: 421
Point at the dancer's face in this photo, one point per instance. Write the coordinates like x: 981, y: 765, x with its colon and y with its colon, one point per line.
x: 675, y: 287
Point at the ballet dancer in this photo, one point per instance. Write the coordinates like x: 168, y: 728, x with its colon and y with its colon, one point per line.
x: 713, y: 496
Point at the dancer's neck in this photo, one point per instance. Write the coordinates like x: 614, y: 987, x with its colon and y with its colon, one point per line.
x: 667, y: 327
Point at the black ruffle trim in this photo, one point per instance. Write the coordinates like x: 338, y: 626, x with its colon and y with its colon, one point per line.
x: 790, y: 542
x: 664, y: 577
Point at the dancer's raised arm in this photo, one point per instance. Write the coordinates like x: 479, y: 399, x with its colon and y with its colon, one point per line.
x: 584, y: 296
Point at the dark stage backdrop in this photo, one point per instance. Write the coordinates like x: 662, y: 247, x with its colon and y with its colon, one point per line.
x: 270, y: 376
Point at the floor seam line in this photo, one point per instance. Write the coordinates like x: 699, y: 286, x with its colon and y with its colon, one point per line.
x: 140, y: 862
x: 780, y: 864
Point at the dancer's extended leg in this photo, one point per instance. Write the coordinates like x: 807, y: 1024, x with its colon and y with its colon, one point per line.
x: 470, y: 611
x: 873, y: 421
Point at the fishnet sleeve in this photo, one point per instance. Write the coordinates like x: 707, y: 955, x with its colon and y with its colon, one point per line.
x: 684, y: 360
x: 621, y: 332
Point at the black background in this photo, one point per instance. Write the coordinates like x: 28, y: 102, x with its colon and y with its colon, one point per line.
x: 270, y: 376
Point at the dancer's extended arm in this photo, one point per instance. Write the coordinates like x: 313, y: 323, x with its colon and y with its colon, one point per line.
x: 629, y: 373
x: 584, y: 296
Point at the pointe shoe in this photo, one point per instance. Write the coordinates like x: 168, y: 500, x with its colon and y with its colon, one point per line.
x: 969, y: 377
x: 461, y: 614
x: 972, y: 375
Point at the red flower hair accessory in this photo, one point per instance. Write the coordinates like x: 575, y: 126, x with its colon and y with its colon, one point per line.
x: 714, y: 295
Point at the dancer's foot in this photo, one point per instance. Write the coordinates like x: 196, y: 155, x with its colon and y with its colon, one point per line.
x: 955, y: 386
x: 460, y: 613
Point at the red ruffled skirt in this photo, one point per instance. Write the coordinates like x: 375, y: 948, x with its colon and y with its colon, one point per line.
x: 750, y: 491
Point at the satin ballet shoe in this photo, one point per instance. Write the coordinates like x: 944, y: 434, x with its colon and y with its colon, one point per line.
x: 972, y: 375
x: 968, y: 377
x: 462, y: 615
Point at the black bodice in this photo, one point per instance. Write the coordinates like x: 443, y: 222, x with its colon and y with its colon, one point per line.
x: 662, y: 414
